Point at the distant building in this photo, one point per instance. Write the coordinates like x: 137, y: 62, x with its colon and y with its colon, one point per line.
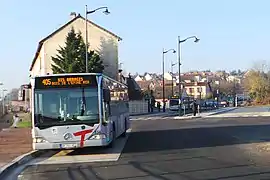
x: 198, y: 89
x: 23, y: 97
x: 139, y: 78
x: 234, y: 79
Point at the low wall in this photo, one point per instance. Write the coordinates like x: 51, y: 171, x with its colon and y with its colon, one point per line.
x: 138, y: 107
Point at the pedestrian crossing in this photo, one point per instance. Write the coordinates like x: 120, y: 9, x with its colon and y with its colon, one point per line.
x: 163, y: 118
x: 171, y: 116
x: 150, y: 118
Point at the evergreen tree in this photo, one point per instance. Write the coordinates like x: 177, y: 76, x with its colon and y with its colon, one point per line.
x: 71, y: 58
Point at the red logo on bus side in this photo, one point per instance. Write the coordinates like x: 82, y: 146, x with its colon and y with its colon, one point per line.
x: 82, y: 134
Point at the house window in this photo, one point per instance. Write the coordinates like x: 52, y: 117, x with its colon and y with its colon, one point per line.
x: 191, y: 90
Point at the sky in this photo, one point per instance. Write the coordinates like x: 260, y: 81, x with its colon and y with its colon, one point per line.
x: 233, y: 34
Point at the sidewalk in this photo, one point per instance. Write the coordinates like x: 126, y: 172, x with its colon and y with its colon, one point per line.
x: 217, y: 111
x: 206, y: 114
x: 13, y: 142
x: 243, y: 114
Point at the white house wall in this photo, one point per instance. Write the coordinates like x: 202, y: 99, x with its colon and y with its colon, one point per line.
x: 100, y: 41
x: 148, y: 77
x: 167, y: 76
x: 38, y: 68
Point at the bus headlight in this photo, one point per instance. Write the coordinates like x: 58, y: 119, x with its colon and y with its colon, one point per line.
x: 98, y: 136
x: 39, y: 140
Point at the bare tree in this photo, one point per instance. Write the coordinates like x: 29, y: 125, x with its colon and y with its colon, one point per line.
x: 257, y: 82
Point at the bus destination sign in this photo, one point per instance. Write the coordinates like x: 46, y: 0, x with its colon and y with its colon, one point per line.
x: 174, y: 97
x: 65, y: 81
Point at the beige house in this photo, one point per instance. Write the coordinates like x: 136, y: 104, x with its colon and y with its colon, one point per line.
x: 101, y: 40
x: 198, y: 89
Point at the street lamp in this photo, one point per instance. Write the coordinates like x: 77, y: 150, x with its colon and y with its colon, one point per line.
x: 1, y: 84
x: 163, y: 79
x: 217, y: 98
x: 172, y: 64
x: 200, y: 91
x: 3, y: 100
x: 179, y: 67
x: 86, y: 31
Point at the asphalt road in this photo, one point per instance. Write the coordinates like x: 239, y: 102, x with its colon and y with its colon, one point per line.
x: 177, y: 149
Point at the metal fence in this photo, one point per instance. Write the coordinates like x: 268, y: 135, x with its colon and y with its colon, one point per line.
x: 138, y: 107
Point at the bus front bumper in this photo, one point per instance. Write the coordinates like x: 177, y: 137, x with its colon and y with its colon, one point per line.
x: 70, y: 145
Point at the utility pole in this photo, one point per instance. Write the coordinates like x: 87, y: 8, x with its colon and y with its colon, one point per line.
x: 86, y: 40
x: 179, y: 78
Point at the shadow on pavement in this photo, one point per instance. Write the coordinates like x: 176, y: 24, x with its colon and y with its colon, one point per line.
x: 87, y: 151
x: 174, y: 139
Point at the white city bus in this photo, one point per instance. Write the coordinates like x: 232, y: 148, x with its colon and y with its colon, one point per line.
x: 174, y: 103
x: 78, y: 110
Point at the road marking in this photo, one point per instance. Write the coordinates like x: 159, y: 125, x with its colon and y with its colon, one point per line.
x: 63, y: 153
x: 103, y: 154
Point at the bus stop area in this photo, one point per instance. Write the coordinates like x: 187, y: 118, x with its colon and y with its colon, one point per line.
x: 13, y: 141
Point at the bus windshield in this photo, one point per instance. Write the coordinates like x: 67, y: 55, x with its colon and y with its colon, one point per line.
x: 66, y: 106
x: 174, y: 102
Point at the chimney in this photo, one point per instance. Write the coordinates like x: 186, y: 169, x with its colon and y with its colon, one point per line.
x: 72, y: 15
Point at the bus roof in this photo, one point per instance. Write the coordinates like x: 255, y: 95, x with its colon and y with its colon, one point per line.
x: 80, y: 74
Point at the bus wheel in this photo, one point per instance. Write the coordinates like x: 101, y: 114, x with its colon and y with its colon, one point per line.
x: 124, y: 134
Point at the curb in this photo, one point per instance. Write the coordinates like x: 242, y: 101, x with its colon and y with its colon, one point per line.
x: 186, y: 117
x: 148, y: 115
x: 141, y: 114
x: 19, y: 161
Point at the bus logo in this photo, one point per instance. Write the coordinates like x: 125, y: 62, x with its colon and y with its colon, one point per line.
x: 67, y: 136
x: 82, y: 134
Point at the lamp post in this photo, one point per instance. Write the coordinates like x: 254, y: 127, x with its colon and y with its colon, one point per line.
x: 3, y: 103
x: 3, y: 100
x: 200, y: 91
x: 163, y: 79
x: 172, y: 64
x: 217, y: 98
x: 179, y: 68
x: 86, y: 31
